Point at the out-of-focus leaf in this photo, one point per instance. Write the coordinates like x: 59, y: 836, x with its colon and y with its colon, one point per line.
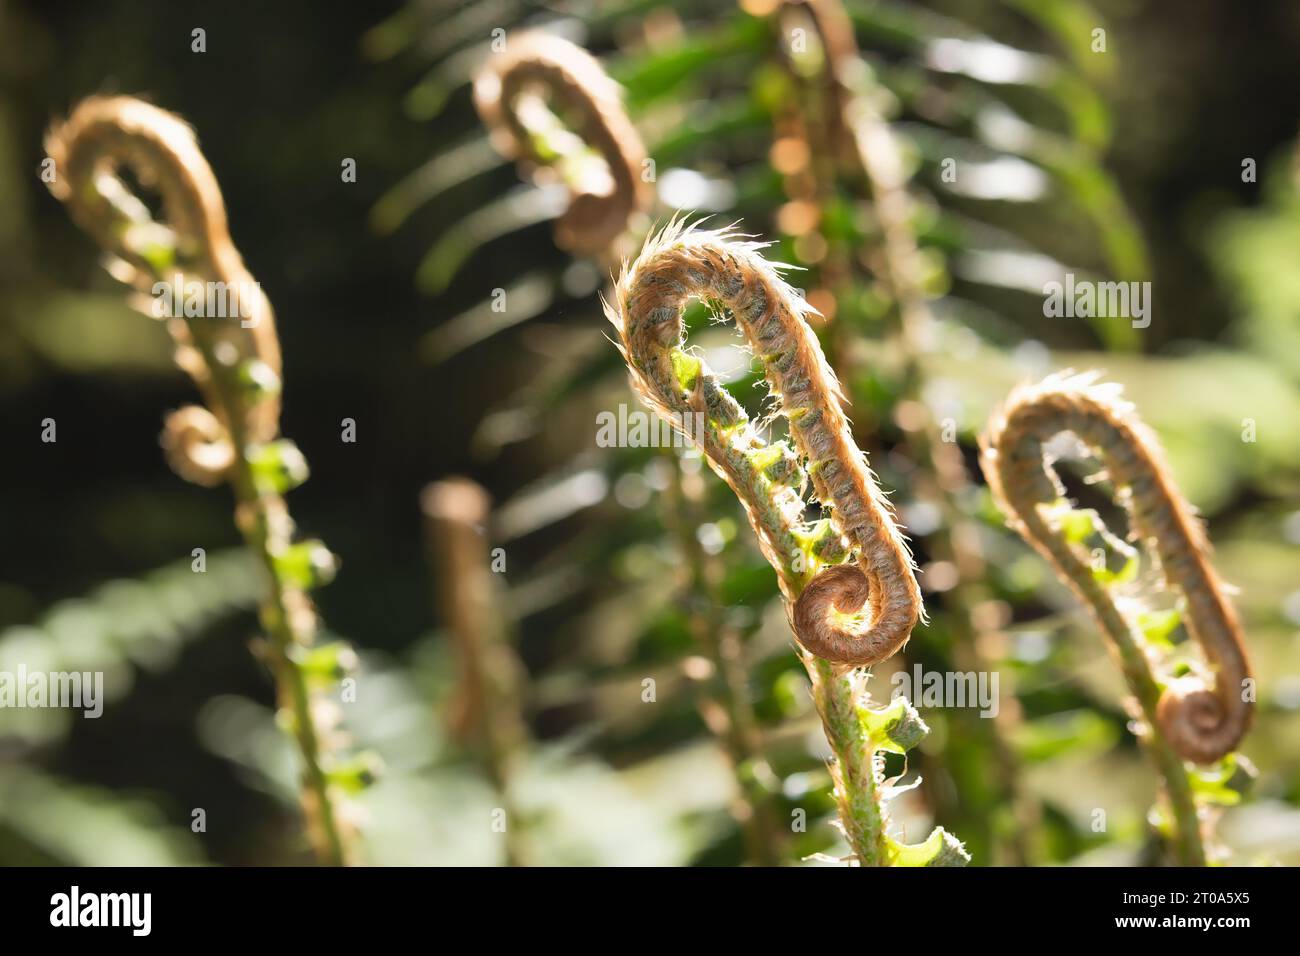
x: 443, y: 172
x: 521, y: 207
x: 121, y: 625
x: 75, y: 825
x: 657, y: 74
x: 1251, y: 249
x: 522, y: 300
x: 1047, y: 738
x: 1071, y: 23
x: 92, y: 333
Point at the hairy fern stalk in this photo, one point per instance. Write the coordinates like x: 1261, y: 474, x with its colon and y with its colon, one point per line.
x: 234, y: 357
x: 1198, y: 716
x: 847, y: 580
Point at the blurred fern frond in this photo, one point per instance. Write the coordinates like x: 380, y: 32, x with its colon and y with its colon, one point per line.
x: 119, y: 627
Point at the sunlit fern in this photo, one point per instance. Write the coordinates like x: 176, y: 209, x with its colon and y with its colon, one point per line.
x: 1020, y: 114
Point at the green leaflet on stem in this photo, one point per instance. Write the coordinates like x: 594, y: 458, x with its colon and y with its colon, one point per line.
x: 306, y: 565
x: 277, y: 466
x: 941, y: 848
x: 358, y: 773
x: 897, y: 728
x: 327, y: 663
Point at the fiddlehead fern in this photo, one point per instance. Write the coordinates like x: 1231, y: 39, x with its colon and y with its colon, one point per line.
x: 680, y: 263
x: 831, y: 110
x: 856, y: 615
x: 1199, y: 717
x: 106, y: 135
x: 603, y: 201
x: 224, y: 329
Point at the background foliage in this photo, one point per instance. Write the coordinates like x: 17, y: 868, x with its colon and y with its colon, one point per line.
x: 1126, y: 165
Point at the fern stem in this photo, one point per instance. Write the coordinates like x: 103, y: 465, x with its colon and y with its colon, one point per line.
x: 486, y: 711
x: 595, y: 222
x: 730, y: 692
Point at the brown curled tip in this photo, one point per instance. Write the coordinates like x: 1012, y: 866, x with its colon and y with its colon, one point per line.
x: 197, y: 446
x: 1204, y: 715
x: 1200, y: 722
x: 105, y: 134
x: 841, y: 590
x: 601, y: 207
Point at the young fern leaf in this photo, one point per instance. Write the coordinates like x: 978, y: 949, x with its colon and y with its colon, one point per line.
x: 603, y: 201
x: 682, y: 262
x: 834, y: 115
x: 1200, y: 717
x: 229, y: 346
x: 844, y: 615
x: 106, y: 133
